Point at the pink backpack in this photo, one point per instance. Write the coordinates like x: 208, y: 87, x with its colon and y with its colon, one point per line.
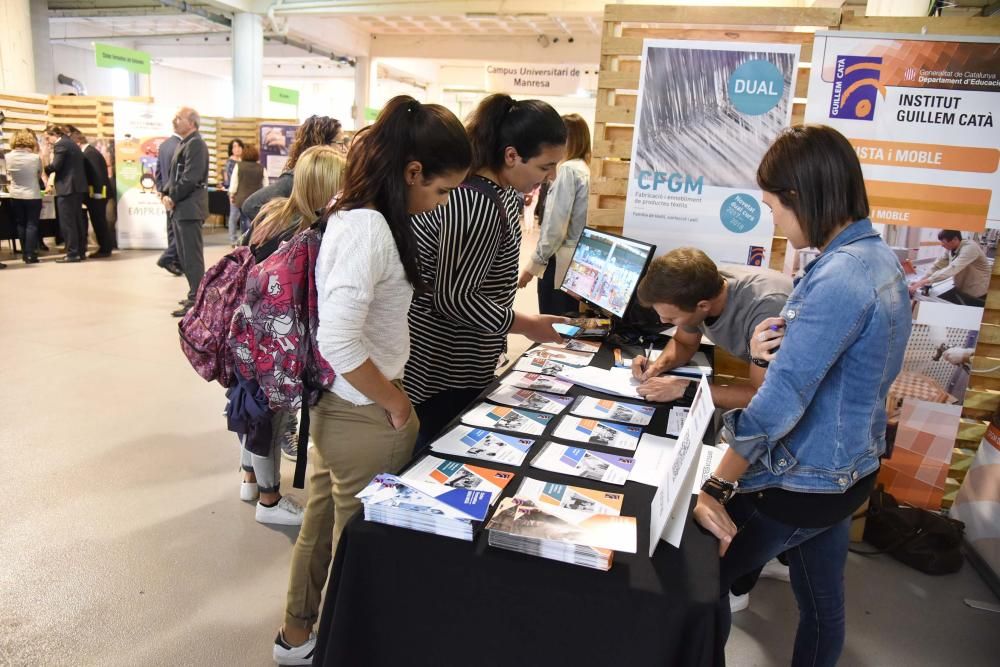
x: 273, y: 332
x: 205, y: 328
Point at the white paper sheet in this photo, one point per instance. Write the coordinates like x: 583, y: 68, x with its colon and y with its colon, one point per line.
x: 617, y: 381
x: 652, y: 458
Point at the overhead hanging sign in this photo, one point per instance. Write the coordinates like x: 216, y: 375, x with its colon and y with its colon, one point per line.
x: 706, y: 114
x: 533, y: 80
x: 121, y: 58
x: 283, y: 95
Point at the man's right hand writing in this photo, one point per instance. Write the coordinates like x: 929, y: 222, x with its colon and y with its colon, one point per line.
x: 643, y: 369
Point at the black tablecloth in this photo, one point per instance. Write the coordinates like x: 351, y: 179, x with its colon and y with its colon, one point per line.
x: 218, y: 202
x: 401, y: 597
x: 47, y: 227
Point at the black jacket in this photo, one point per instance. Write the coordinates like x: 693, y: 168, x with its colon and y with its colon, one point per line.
x: 97, y: 172
x: 188, y: 186
x: 69, y: 167
x: 164, y: 157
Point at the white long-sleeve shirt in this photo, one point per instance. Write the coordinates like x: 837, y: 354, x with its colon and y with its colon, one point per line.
x: 564, y: 219
x: 364, y: 298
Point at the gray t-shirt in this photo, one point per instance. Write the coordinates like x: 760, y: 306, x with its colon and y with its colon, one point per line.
x: 754, y: 295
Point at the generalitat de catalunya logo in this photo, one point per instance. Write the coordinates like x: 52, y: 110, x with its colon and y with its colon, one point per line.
x: 856, y: 86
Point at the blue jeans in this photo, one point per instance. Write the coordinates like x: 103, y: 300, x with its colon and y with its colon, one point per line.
x: 234, y: 224
x: 816, y: 556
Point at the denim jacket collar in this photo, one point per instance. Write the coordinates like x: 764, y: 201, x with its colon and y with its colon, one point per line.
x: 860, y: 229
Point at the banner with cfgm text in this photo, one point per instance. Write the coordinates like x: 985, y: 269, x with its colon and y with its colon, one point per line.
x: 139, y: 131
x: 706, y: 114
x: 922, y: 113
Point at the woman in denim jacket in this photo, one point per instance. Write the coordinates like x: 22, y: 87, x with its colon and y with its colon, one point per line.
x: 805, y: 452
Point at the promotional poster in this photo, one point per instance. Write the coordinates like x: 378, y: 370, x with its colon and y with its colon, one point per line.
x: 275, y: 141
x: 139, y: 131
x: 706, y: 114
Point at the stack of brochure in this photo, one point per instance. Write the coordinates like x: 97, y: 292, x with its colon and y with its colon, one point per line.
x: 570, y: 497
x: 424, y: 506
x: 457, y: 475
x: 572, y: 536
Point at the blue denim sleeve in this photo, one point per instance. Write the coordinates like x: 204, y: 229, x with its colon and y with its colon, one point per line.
x: 824, y: 315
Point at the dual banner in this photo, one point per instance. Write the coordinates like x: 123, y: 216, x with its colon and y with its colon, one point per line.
x: 923, y: 114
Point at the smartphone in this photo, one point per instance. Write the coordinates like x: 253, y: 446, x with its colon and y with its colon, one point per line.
x: 567, y: 330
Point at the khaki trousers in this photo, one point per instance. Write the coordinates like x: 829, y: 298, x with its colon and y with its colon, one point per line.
x: 353, y: 443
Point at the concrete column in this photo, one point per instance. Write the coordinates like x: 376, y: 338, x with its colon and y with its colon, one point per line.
x: 248, y: 64
x: 362, y: 90
x: 41, y: 46
x: 17, y: 58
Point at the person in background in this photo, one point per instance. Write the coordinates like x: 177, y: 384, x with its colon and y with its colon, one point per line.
x: 24, y: 167
x: 98, y: 185
x: 366, y: 272
x: 965, y: 262
x: 563, y: 222
x: 186, y: 200
x: 804, y: 455
x: 168, y: 260
x: 70, y: 171
x: 469, y: 253
x: 688, y: 290
x: 234, y: 155
x: 314, y: 131
x: 317, y: 180
x: 247, y: 178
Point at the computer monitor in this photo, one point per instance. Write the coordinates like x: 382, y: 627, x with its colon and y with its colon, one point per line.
x: 605, y: 270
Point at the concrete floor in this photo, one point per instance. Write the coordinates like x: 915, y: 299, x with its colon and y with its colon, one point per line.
x: 123, y: 540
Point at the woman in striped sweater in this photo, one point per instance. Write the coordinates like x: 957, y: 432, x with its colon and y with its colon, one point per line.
x: 469, y: 254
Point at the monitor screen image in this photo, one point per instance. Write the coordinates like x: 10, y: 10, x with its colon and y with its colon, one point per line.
x: 606, y: 269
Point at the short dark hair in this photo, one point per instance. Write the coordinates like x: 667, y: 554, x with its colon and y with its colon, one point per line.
x: 233, y: 142
x: 949, y: 235
x: 682, y: 278
x: 814, y: 171
x: 250, y: 153
x: 56, y: 129
x: 499, y: 121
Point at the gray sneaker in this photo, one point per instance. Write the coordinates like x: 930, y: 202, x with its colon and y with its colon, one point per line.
x: 290, y: 443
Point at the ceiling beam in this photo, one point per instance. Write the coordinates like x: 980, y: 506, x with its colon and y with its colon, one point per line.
x: 441, y: 7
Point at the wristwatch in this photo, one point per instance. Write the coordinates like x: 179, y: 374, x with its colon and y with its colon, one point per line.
x: 763, y: 363
x: 720, y: 489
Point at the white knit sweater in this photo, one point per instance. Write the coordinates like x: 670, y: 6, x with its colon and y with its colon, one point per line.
x: 364, y: 297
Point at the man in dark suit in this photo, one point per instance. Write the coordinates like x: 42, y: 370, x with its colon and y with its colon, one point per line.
x: 186, y: 200
x: 164, y: 156
x: 70, y: 186
x: 98, y: 185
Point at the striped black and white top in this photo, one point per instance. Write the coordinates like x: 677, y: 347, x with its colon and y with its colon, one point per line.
x: 469, y: 259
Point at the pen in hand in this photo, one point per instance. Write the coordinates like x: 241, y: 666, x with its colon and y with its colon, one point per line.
x: 649, y: 354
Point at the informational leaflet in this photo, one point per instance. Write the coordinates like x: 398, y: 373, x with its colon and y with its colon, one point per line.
x: 585, y: 463
x: 507, y: 419
x: 536, y: 381
x: 676, y: 419
x: 569, y: 357
x: 668, y: 510
x: 478, y: 443
x: 459, y: 475
x: 706, y: 114
x: 530, y: 399
x: 594, y: 432
x: 652, y: 459
x: 140, y: 128
x: 617, y: 381
x: 616, y: 411
x: 576, y: 345
x: 695, y: 368
x: 427, y: 507
x: 529, y: 364
x: 570, y: 497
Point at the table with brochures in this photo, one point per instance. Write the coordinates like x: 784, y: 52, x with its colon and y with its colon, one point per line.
x: 402, y: 597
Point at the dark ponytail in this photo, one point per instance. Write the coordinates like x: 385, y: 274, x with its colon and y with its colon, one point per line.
x: 499, y: 121
x: 405, y: 131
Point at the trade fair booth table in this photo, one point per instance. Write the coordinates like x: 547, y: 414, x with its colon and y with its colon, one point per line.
x: 402, y: 597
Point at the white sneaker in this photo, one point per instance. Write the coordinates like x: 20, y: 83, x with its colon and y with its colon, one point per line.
x: 294, y: 655
x: 774, y: 569
x: 249, y: 491
x: 738, y: 602
x: 286, y: 513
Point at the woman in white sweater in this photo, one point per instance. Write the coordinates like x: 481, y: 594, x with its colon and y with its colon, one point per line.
x: 563, y: 222
x: 367, y: 270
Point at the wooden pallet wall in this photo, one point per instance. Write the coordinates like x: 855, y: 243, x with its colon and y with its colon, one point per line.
x: 245, y: 129
x: 626, y: 26
x: 22, y: 112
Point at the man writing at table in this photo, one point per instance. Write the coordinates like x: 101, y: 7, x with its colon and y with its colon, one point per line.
x: 966, y: 263
x: 687, y: 289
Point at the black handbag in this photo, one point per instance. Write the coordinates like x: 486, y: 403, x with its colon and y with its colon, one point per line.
x: 926, y: 541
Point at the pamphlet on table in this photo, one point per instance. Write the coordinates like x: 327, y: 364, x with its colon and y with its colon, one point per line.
x: 568, y: 357
x: 676, y: 419
x: 585, y: 463
x: 570, y: 497
x: 481, y: 444
x: 536, y: 381
x: 507, y: 419
x: 431, y: 469
x: 577, y: 345
x: 617, y: 381
x: 530, y: 399
x: 594, y: 432
x: 616, y: 411
x: 529, y: 364
x: 695, y: 368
